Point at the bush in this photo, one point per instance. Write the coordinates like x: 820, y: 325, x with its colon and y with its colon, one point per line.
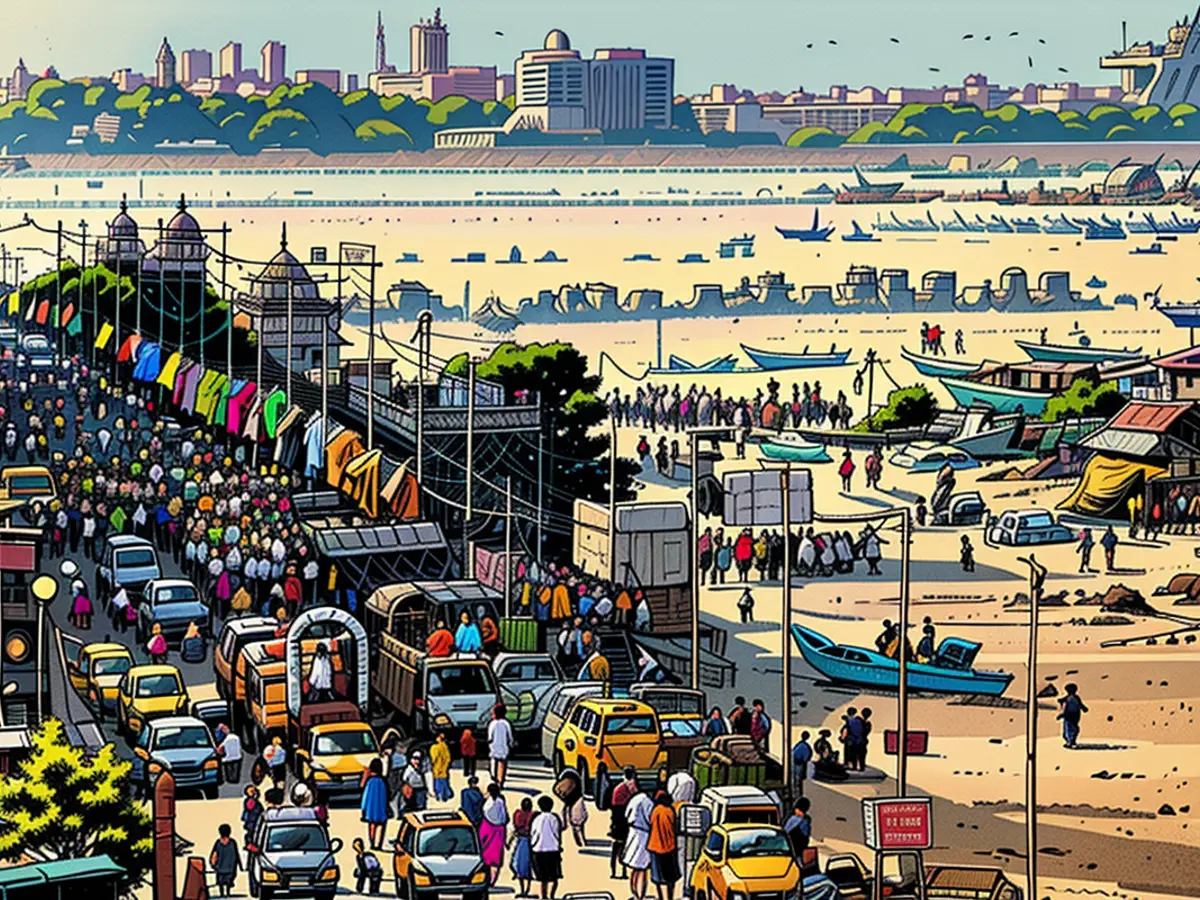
x: 910, y: 407
x: 1085, y: 398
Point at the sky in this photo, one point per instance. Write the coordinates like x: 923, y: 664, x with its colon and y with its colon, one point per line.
x: 760, y: 44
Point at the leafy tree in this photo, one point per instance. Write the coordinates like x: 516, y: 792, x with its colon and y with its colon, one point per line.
x: 1085, y: 398
x: 64, y: 804
x: 910, y: 407
x: 814, y: 136
x: 577, y: 448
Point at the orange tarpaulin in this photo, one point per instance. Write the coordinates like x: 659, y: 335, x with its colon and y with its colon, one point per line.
x: 129, y: 348
x: 338, y: 453
x: 360, y: 480
x: 401, y: 494
x: 43, y: 312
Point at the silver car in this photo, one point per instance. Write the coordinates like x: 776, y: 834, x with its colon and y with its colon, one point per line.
x: 291, y: 855
x: 524, y: 679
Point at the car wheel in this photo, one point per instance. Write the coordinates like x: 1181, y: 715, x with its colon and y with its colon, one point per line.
x: 211, y: 791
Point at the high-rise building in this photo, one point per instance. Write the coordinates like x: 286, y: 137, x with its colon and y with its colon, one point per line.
x: 164, y: 66
x: 351, y: 82
x: 331, y: 78
x: 627, y: 90
x: 429, y: 46
x: 231, y: 60
x: 194, y: 65
x: 21, y: 80
x: 551, y: 87
x: 273, y: 63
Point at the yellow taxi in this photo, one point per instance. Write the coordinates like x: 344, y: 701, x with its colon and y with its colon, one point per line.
x: 603, y: 736
x: 27, y: 483
x: 740, y: 861
x: 149, y: 692
x: 96, y: 675
x: 335, y: 756
x: 437, y: 854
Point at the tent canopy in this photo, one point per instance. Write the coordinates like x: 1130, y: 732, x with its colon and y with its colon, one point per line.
x: 1106, y: 485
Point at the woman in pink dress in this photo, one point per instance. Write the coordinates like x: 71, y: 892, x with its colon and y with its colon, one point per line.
x: 492, y: 831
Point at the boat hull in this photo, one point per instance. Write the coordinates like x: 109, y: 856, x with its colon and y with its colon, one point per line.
x: 721, y: 364
x: 873, y: 670
x: 938, y: 368
x: 1061, y: 353
x: 1001, y: 399
x: 811, y: 453
x: 766, y: 359
x: 1182, y: 316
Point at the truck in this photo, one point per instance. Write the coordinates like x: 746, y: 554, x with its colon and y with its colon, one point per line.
x: 419, y: 693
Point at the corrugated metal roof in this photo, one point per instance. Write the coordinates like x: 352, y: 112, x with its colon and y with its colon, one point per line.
x: 1150, y: 416
x: 1125, y: 442
x: 1184, y: 359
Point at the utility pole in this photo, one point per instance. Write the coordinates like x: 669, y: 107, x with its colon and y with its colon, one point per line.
x: 902, y: 717
x: 60, y: 342
x: 95, y: 303
x: 162, y: 289
x: 82, y: 266
x: 228, y: 301
x: 469, y: 512
x: 371, y: 359
x: 541, y: 482
x: 287, y: 393
x: 786, y: 618
x: 612, y: 498
x: 870, y: 382
x: 424, y: 321
x: 508, y: 547
x: 694, y: 437
x: 1031, y: 717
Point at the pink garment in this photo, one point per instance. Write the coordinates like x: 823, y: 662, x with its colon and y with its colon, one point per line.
x: 224, y: 589
x: 238, y: 404
x: 82, y: 605
x: 491, y: 840
x: 157, y: 645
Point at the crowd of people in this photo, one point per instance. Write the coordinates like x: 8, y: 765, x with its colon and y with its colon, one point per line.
x: 743, y: 556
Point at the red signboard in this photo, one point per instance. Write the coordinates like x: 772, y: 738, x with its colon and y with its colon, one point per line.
x: 18, y: 557
x: 898, y: 823
x: 916, y: 745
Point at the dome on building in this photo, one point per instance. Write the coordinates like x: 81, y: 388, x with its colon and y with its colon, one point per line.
x: 557, y: 40
x: 184, y: 227
x: 123, y: 225
x: 283, y: 269
x: 183, y: 240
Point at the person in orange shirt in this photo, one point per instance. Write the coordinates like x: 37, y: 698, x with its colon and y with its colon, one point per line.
x: 489, y: 634
x: 560, y: 602
x: 664, y: 860
x: 441, y: 642
x: 624, y: 607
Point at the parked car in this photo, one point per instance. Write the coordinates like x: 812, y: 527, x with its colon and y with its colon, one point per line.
x: 928, y: 456
x: 173, y: 603
x: 603, y: 736
x: 438, y: 854
x: 1027, y: 527
x: 291, y: 854
x: 96, y: 674
x: 35, y: 352
x: 128, y: 562
x: 146, y: 693
x: 741, y: 861
x: 523, y: 679
x: 181, y: 745
x: 555, y: 707
x: 27, y: 483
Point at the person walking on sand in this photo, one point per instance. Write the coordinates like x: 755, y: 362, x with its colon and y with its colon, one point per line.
x: 1072, y: 711
x: 1109, y: 542
x: 967, y: 554
x: 846, y: 470
x: 225, y: 860
x: 664, y: 859
x: 745, y: 606
x: 1084, y: 549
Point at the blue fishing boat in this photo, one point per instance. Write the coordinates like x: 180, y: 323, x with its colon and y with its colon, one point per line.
x: 514, y: 258
x: 1061, y: 225
x: 721, y: 364
x: 793, y: 448
x: 693, y: 258
x: 949, y: 672
x: 998, y: 225
x: 936, y: 367
x: 860, y: 236
x: 1105, y: 230
x: 1155, y: 249
x: 1026, y: 226
x: 471, y: 258
x: 958, y: 224
x: 1000, y: 398
x: 821, y: 194
x: 818, y: 232
x: 549, y: 257
x: 642, y: 257
x: 1144, y: 225
x: 1096, y: 282
x: 1125, y: 300
x: 1080, y: 353
x: 772, y: 360
x: 408, y: 258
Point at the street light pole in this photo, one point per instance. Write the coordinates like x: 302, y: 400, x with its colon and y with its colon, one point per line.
x: 695, y: 562
x: 612, y: 496
x: 60, y: 342
x: 82, y: 266
x: 1031, y: 718
x: 786, y: 618
x: 902, y: 717
x: 508, y: 547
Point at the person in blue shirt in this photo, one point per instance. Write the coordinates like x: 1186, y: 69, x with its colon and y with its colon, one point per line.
x: 468, y: 639
x: 802, y: 755
x: 1072, y: 711
x: 798, y: 827
x: 715, y: 725
x: 470, y: 801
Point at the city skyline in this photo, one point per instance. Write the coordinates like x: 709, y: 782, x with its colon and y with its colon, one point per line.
x: 1076, y: 34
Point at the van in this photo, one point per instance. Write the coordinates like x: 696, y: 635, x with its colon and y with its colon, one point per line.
x: 127, y: 562
x: 27, y: 483
x: 236, y: 634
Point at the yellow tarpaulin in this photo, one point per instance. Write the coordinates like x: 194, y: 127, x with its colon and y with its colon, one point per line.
x: 1106, y: 485
x: 14, y: 303
x: 105, y: 335
x: 338, y: 452
x: 360, y: 480
x: 167, y: 376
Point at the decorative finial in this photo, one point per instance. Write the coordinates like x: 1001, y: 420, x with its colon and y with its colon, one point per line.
x: 124, y: 205
x: 182, y: 203
x: 283, y: 237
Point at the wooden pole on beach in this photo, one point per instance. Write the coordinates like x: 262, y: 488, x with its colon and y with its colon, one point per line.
x: 1031, y: 717
x: 785, y: 713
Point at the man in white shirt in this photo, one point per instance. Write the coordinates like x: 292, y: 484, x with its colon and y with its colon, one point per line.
x: 500, y: 741
x: 230, y: 750
x: 545, y: 833
x: 320, y: 676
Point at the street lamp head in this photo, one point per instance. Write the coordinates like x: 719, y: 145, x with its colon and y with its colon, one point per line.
x: 43, y: 588
x: 11, y: 688
x: 69, y: 568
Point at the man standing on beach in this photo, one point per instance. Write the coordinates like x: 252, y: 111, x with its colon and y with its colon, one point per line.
x: 1072, y: 711
x: 1109, y: 542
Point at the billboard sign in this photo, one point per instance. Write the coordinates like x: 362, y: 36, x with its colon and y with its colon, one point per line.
x: 898, y: 823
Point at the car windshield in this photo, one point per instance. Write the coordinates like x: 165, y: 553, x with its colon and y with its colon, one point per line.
x: 113, y: 665
x: 669, y: 702
x: 181, y: 737
x: 453, y: 840
x: 158, y: 686
x: 454, y: 681
x: 346, y: 742
x: 683, y: 727
x: 23, y: 483
x: 758, y: 842
x: 1038, y: 520
x: 297, y: 837
x: 175, y: 594
x: 140, y: 558
x: 633, y: 724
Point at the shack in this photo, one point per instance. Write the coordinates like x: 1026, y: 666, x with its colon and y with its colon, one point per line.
x: 92, y: 877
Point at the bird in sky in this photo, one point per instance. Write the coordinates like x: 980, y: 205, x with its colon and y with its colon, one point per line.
x: 1041, y: 40
x: 810, y: 46
x: 1013, y: 33
x: 895, y: 40
x: 934, y: 69
x: 1031, y: 62
x: 1061, y: 69
x: 833, y: 42
x: 501, y: 33
x: 967, y: 37
x: 988, y: 38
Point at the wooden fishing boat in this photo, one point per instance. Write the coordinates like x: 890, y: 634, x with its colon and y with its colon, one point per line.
x: 773, y: 360
x: 1077, y: 353
x: 950, y: 672
x: 793, y: 448
x: 938, y: 367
